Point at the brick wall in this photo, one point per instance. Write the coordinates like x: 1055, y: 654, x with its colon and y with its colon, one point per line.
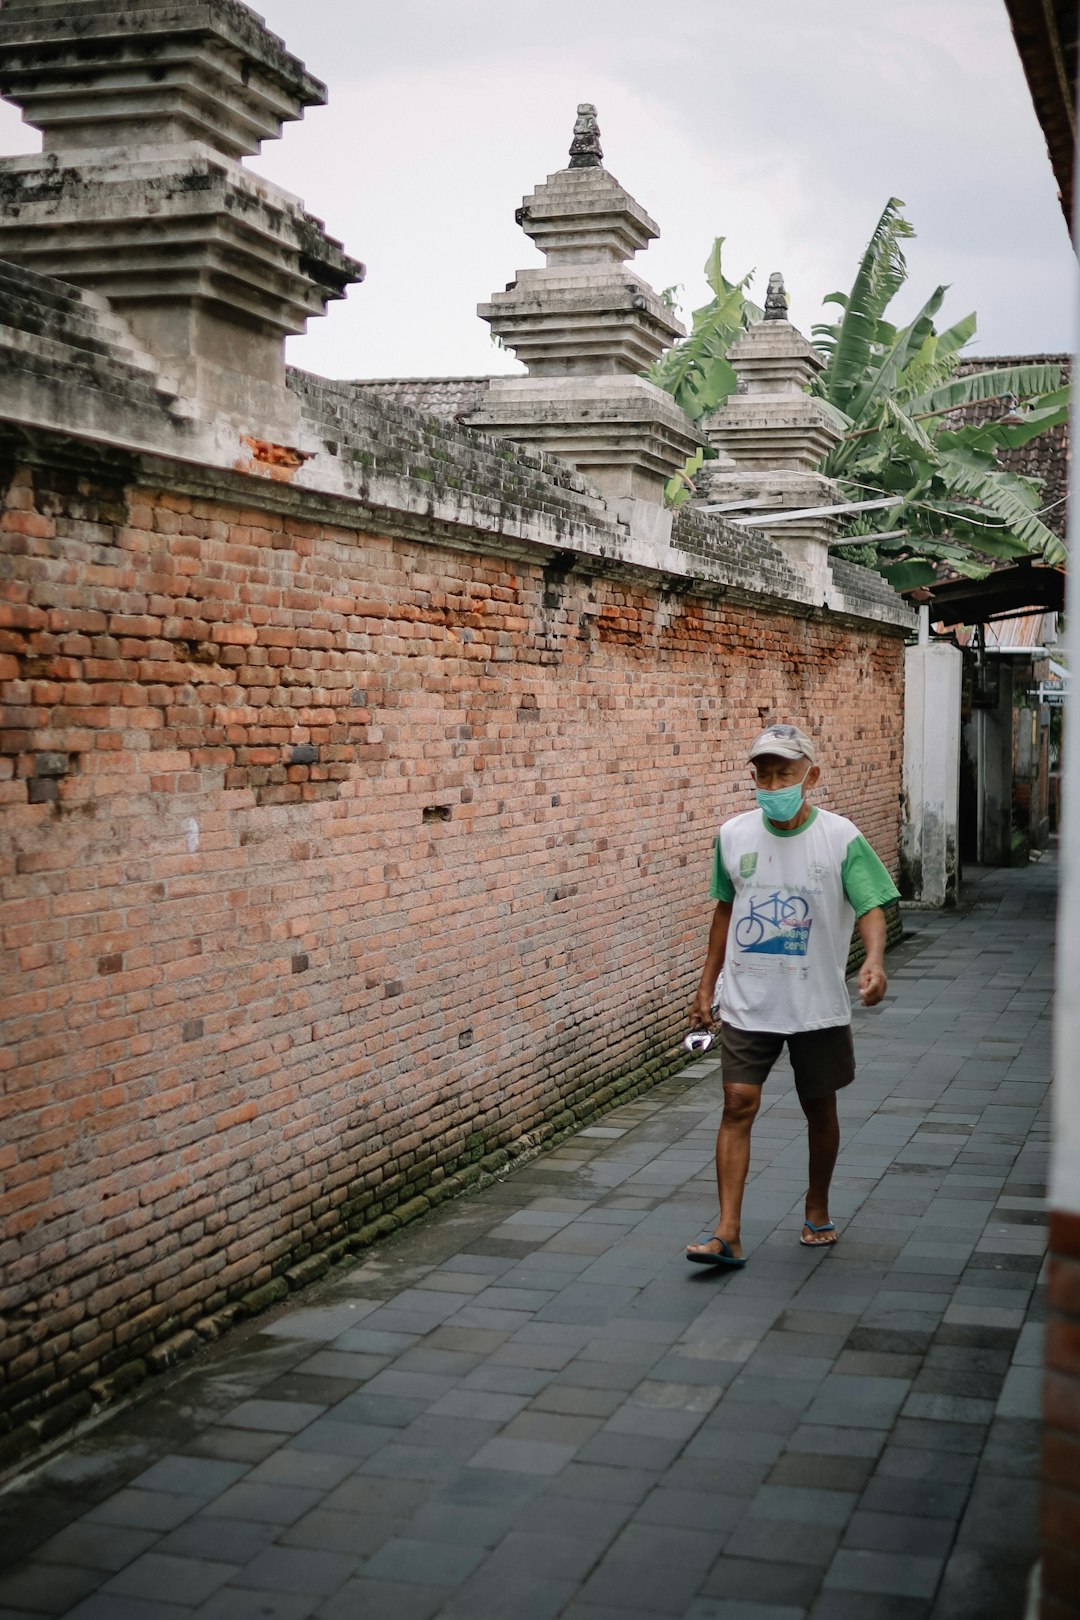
x: 335, y: 864
x: 1061, y: 1435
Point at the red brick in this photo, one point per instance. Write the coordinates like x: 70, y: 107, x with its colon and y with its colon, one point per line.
x: 210, y: 1110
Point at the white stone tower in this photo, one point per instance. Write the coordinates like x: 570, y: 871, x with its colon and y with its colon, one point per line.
x: 772, y: 435
x: 586, y: 326
x: 146, y: 108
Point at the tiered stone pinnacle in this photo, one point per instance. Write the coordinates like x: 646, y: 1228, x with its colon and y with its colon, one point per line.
x: 146, y: 106
x: 586, y: 326
x: 150, y: 73
x: 772, y: 436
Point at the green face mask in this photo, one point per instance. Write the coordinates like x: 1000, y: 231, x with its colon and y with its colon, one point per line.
x: 782, y: 804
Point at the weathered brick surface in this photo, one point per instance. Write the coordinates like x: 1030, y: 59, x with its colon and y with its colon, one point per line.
x: 335, y: 864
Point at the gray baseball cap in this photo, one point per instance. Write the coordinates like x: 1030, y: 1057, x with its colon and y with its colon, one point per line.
x: 788, y: 742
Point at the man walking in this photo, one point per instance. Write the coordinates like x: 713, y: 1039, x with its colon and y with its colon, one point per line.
x: 790, y: 880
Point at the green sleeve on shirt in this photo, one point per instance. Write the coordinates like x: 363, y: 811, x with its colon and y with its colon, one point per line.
x: 866, y: 882
x: 722, y: 887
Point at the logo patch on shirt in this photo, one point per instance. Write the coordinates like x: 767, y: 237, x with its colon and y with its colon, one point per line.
x: 748, y: 865
x: 777, y: 926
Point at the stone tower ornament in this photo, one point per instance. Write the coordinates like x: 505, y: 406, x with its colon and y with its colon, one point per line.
x: 146, y: 110
x: 585, y: 149
x: 773, y: 435
x: 586, y: 326
x: 776, y: 299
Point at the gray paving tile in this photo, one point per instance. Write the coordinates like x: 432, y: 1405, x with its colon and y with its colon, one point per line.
x: 948, y: 1408
x: 899, y: 1533
x: 352, y: 1534
x: 901, y: 1575
x: 112, y: 1606
x: 901, y: 1462
x: 304, y: 1570
x: 917, y: 1498
x: 267, y: 1504
x: 457, y: 1523
x: 939, y: 1433
x: 95, y: 1546
x: 843, y: 1605
x: 757, y: 1581
x: 630, y: 1450
x: 596, y: 1482
x: 479, y: 1403
x: 565, y: 1398
x: 523, y: 1456
x: 328, y: 1437
x: 414, y: 1562
x: 714, y: 1608
x: 380, y: 1600
x: 805, y: 1504
x: 399, y: 1460
x: 652, y: 1567
x: 277, y: 1417
x: 821, y: 1472
x: 231, y: 1603
x: 47, y: 1589
x: 797, y: 1543
x: 223, y: 1541
x: 496, y: 1595
x: 832, y: 1441
x: 146, y: 1510
x: 186, y: 1580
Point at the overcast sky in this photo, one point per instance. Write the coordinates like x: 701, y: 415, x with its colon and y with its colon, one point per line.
x: 782, y: 126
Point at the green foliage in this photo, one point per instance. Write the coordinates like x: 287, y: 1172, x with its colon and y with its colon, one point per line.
x: 696, y: 372
x: 678, y: 490
x: 894, y: 392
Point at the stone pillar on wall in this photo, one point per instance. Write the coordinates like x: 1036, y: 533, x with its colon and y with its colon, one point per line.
x: 771, y: 437
x: 933, y: 672
x: 146, y: 110
x: 586, y: 326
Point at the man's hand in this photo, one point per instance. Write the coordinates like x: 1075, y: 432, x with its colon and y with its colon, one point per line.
x: 872, y: 983
x: 701, y: 1010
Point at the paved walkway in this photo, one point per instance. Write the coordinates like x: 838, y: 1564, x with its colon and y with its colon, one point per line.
x: 531, y: 1406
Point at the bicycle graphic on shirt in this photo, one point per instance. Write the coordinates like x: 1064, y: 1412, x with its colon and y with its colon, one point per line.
x: 777, y: 926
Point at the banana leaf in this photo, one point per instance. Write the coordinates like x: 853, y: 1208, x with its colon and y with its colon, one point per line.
x: 880, y: 276
x: 906, y: 575
x: 1000, y: 498
x: 1017, y: 381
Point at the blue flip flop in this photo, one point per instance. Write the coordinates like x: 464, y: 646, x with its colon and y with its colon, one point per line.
x: 732, y: 1262
x: 807, y: 1243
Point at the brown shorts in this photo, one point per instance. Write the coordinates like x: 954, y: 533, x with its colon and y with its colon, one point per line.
x: 823, y: 1059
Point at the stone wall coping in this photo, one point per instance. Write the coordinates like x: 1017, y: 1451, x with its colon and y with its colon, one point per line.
x: 361, y: 461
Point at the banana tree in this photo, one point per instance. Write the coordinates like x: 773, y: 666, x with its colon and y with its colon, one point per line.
x: 896, y: 396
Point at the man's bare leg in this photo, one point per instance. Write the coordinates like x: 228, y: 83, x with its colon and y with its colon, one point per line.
x: 823, y: 1134
x: 741, y: 1104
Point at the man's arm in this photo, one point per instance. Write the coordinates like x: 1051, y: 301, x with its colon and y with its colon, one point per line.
x: 701, y: 1006
x: 872, y: 981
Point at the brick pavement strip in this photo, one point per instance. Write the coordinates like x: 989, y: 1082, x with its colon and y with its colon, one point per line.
x: 530, y: 1406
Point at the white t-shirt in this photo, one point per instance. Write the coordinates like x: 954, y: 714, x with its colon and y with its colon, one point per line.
x: 795, y: 896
